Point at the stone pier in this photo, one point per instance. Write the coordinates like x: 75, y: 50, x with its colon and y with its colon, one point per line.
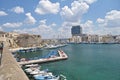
x: 9, y: 68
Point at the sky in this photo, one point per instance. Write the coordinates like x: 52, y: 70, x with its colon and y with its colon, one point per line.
x: 54, y: 18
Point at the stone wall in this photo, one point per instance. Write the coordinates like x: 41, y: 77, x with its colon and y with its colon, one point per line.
x: 14, y: 40
x: 26, y: 40
x: 9, y: 68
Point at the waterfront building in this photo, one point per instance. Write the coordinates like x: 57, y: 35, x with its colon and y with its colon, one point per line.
x: 93, y: 38
x: 8, y: 39
x: 13, y: 34
x: 76, y: 30
x: 118, y: 39
x: 76, y: 39
x: 100, y: 39
x: 108, y: 39
x: 2, y: 36
x: 84, y: 38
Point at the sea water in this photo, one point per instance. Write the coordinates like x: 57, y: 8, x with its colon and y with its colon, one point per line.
x: 85, y: 61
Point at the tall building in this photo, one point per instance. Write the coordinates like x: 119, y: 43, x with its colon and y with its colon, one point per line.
x: 76, y: 30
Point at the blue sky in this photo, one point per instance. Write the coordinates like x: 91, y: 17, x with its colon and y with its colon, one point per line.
x: 54, y: 18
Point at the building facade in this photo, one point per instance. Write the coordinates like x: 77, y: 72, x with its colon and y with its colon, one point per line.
x: 76, y: 30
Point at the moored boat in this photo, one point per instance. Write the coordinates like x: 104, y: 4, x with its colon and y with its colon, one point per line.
x: 46, y: 76
x: 32, y: 65
x: 31, y: 69
x: 51, y: 46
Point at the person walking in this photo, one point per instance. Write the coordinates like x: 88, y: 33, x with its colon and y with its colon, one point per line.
x: 1, y: 51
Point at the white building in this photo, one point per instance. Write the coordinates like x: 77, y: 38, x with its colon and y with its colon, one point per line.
x: 76, y: 39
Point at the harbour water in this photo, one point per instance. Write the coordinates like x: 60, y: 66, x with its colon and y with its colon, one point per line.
x: 85, y: 62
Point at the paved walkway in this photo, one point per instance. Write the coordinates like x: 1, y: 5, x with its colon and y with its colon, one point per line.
x: 9, y: 68
x: 62, y: 56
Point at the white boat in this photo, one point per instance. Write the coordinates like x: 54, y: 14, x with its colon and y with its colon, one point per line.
x: 54, y: 46
x: 46, y: 76
x: 37, y: 72
x: 32, y: 65
x: 61, y: 45
x: 31, y: 69
x: 28, y: 70
x: 50, y: 47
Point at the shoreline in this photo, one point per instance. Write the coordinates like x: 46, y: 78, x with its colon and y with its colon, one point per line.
x: 26, y: 48
x: 91, y: 43
x: 23, y: 48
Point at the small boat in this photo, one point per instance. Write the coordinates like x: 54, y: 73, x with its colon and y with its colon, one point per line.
x: 31, y: 69
x: 50, y: 46
x: 46, y: 76
x: 32, y: 65
x: 62, y: 77
x: 38, y: 71
x: 54, y: 46
x: 61, y: 45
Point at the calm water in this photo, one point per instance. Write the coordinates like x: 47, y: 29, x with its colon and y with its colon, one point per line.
x: 86, y: 62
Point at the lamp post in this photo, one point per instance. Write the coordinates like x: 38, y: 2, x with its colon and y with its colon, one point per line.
x: 1, y: 51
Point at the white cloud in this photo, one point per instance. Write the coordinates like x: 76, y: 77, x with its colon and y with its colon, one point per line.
x: 88, y: 27
x: 105, y: 31
x: 113, y: 15
x: 46, y: 31
x: 1, y: 29
x: 99, y: 20
x: 12, y: 25
x: 21, y: 31
x: 46, y: 7
x: 73, y: 15
x: 110, y: 24
x: 111, y: 20
x: 18, y: 9
x: 49, y: 31
x: 65, y: 30
x: 53, y: 25
x: 76, y: 11
x: 88, y: 1
x: 30, y: 19
x: 2, y: 13
x: 42, y: 22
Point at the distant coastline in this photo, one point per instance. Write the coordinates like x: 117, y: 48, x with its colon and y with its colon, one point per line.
x: 92, y: 43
